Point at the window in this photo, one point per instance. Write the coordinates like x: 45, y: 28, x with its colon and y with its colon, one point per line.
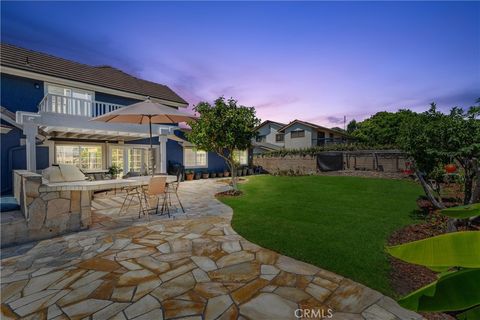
x: 139, y: 160
x: 135, y: 158
x: 117, y: 157
x: 69, y: 100
x: 298, y: 134
x: 279, y: 137
x: 193, y: 158
x: 241, y: 156
x: 69, y: 92
x: 86, y: 157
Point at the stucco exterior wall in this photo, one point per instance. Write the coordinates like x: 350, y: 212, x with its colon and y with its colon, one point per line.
x: 270, y: 131
x: 299, y: 143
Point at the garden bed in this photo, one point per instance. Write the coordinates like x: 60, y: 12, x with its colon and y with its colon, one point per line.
x: 406, y: 277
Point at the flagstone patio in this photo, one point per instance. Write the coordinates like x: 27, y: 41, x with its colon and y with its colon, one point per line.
x: 193, y: 266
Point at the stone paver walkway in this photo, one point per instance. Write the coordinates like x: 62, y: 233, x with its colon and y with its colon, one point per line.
x: 194, y: 266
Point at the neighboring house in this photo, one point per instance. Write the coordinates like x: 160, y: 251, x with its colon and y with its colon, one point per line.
x: 301, y: 134
x: 268, y: 137
x: 47, y: 103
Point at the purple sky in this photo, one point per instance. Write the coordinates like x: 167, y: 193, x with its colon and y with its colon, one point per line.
x: 315, y: 61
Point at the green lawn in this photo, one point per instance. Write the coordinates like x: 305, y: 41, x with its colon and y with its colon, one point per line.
x: 338, y: 223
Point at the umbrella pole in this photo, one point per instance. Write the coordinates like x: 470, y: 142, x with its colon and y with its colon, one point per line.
x: 151, y: 145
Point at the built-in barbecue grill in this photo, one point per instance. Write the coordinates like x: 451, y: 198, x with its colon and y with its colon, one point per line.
x: 63, y: 173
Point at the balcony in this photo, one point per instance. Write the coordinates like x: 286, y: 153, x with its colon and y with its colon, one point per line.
x: 74, y: 106
x: 327, y: 141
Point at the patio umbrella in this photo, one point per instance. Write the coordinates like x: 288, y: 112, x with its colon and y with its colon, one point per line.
x: 146, y: 112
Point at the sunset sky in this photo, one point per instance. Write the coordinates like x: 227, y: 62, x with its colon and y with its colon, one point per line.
x: 315, y: 61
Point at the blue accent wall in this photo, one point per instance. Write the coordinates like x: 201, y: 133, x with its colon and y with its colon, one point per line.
x: 175, y: 155
x: 216, y: 163
x: 174, y: 152
x: 105, y: 97
x: 155, y: 141
x: 20, y: 94
x: 13, y: 157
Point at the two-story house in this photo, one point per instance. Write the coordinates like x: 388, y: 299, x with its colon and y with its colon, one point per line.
x: 272, y: 136
x: 47, y: 103
x: 301, y: 134
x: 269, y: 138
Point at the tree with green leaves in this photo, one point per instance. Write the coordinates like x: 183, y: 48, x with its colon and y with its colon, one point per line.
x: 352, y: 126
x: 223, y: 128
x: 382, y: 128
x: 434, y: 139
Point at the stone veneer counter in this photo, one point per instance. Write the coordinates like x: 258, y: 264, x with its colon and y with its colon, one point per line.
x: 52, y: 209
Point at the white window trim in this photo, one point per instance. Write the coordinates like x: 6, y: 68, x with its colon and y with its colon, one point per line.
x: 195, y: 167
x: 298, y: 131
x: 126, y: 148
x: 77, y: 143
x: 46, y: 84
x: 246, y: 163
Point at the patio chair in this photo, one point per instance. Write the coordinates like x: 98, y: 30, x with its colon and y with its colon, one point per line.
x: 157, y: 188
x: 172, y: 188
x: 132, y: 192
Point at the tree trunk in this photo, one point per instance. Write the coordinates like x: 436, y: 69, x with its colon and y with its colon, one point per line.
x: 231, y: 164
x: 451, y: 222
x: 475, y: 198
x: 429, y: 192
x: 233, y: 171
x: 468, y: 184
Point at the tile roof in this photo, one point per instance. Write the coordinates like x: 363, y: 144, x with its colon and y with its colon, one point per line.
x: 103, y: 76
x: 266, y: 145
x: 312, y: 125
x: 269, y: 121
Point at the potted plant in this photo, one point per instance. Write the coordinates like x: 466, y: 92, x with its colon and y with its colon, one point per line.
x: 114, y: 171
x: 205, y: 175
x: 198, y: 175
x: 245, y: 171
x: 239, y: 172
x: 226, y: 173
x: 220, y: 174
x: 189, y: 175
x: 213, y: 175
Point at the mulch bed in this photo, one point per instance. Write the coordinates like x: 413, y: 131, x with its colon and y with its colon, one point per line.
x: 406, y: 277
x: 229, y: 193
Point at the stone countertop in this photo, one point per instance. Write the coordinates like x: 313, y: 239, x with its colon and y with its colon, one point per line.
x: 97, y: 185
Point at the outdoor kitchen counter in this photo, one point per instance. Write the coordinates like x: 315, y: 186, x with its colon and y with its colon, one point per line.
x: 51, y: 209
x: 98, y: 185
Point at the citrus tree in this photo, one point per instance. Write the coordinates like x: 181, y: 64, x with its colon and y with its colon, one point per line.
x: 224, y: 127
x: 434, y: 139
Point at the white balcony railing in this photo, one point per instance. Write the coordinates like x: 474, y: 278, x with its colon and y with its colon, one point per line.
x: 75, y: 106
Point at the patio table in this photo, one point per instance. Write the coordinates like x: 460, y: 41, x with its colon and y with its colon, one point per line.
x: 135, y: 188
